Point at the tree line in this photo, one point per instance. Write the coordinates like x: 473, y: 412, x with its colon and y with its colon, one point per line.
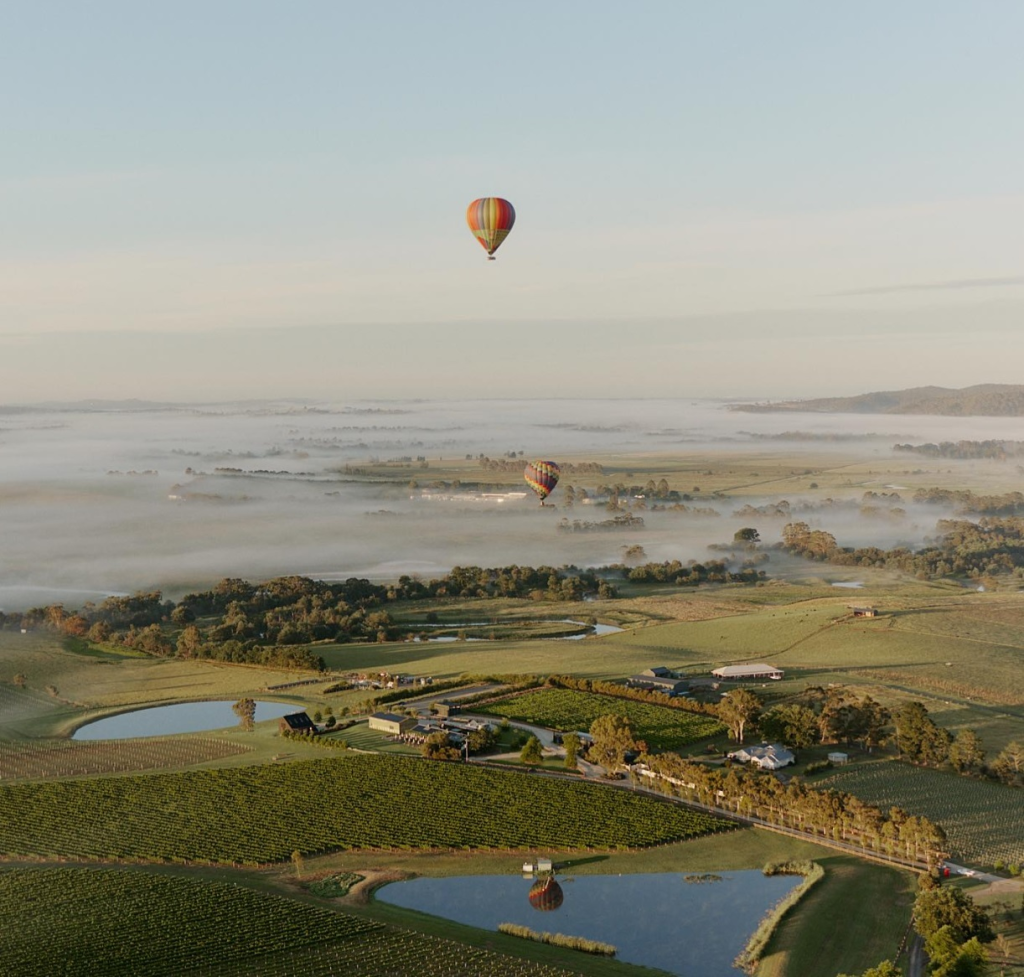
x: 991, y: 547
x: 825, y: 813
x: 268, y: 623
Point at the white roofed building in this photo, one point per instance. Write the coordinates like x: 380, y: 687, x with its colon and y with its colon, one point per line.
x: 740, y: 672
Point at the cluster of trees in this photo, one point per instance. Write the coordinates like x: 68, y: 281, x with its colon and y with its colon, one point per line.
x: 827, y: 813
x: 268, y: 623
x: 966, y: 502
x: 953, y: 928
x: 987, y: 548
x: 625, y: 521
x: 994, y: 450
x: 692, y: 573
x: 837, y: 715
x: 441, y: 746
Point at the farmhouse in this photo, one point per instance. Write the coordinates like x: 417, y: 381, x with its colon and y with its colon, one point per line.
x: 864, y: 611
x: 739, y: 672
x: 388, y: 722
x: 767, y: 756
x: 297, y: 722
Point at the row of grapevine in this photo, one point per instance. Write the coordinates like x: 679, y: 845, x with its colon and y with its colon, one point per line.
x: 260, y: 814
x: 42, y: 760
x: 109, y: 923
x: 660, y: 727
x: 983, y: 820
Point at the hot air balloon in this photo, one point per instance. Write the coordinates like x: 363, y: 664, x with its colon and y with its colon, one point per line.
x: 490, y: 219
x: 546, y: 894
x: 542, y: 477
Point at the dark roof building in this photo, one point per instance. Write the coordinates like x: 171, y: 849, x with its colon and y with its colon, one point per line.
x: 660, y: 683
x: 297, y: 722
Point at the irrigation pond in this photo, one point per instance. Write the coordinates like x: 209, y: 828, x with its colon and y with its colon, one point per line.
x: 690, y: 928
x: 183, y: 717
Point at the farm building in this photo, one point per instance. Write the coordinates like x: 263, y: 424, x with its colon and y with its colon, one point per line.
x: 388, y: 722
x: 864, y: 611
x: 767, y: 756
x: 839, y: 758
x: 740, y: 672
x: 297, y: 722
x: 657, y: 671
x: 660, y: 683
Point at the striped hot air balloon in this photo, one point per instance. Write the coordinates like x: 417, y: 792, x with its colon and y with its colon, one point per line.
x: 542, y: 477
x: 490, y: 219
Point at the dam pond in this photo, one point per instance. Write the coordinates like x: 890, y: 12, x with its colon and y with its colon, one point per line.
x: 183, y: 717
x: 693, y: 929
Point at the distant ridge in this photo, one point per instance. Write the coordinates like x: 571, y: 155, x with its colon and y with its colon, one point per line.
x: 983, y: 400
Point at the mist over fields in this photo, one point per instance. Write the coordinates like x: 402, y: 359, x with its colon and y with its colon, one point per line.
x: 113, y: 498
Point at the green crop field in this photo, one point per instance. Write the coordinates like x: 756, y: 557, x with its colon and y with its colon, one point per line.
x: 983, y: 821
x: 260, y: 814
x: 567, y: 710
x: 106, y: 923
x: 35, y: 760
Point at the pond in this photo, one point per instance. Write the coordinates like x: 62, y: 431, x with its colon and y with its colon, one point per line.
x: 654, y: 920
x: 184, y: 717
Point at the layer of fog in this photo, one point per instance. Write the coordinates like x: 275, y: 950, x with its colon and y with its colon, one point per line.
x: 87, y: 492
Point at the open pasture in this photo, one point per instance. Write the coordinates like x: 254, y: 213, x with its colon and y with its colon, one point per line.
x: 591, y: 657
x: 983, y: 821
x: 838, y: 921
x: 260, y: 814
x: 106, y: 923
x: 48, y: 759
x: 568, y: 711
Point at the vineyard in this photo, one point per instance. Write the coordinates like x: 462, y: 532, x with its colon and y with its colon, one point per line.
x: 26, y: 760
x: 567, y: 710
x: 260, y: 814
x: 106, y: 923
x: 982, y: 820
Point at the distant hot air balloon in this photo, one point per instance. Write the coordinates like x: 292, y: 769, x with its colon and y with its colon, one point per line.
x: 542, y: 477
x: 546, y: 894
x: 490, y: 219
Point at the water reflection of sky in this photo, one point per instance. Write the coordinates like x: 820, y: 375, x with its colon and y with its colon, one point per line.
x: 185, y: 717
x: 694, y: 930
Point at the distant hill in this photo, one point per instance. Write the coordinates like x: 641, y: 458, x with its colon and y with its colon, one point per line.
x: 983, y: 400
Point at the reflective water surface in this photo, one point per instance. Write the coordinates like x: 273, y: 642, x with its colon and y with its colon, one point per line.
x: 185, y: 717
x: 694, y: 930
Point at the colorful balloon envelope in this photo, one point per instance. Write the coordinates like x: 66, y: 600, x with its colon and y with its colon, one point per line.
x: 546, y: 894
x: 542, y: 477
x: 490, y: 219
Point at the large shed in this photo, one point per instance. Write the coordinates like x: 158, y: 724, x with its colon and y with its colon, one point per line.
x: 739, y: 672
x: 659, y: 683
x: 391, y: 723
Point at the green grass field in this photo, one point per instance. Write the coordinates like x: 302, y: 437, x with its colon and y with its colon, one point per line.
x: 852, y: 920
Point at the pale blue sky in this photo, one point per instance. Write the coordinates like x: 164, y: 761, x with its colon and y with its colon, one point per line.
x: 271, y: 196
